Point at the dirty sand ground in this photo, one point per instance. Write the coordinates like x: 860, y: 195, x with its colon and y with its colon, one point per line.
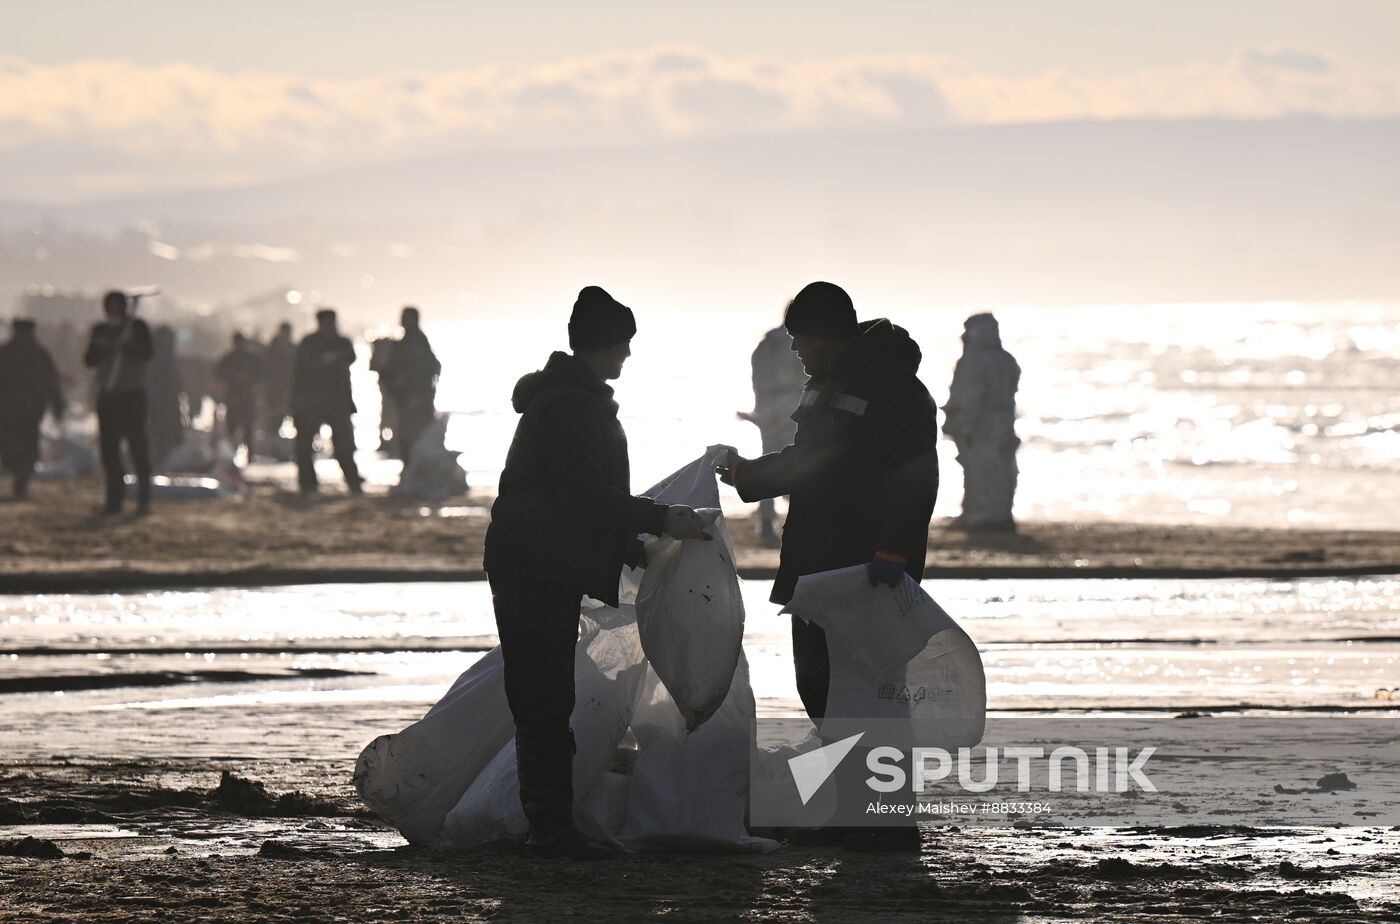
x: 170, y: 841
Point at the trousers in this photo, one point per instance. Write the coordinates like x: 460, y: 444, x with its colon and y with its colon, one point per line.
x: 308, y: 424
x: 121, y: 418
x: 537, y: 622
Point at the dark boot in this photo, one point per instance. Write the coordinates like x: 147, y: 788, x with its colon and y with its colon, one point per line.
x: 546, y: 770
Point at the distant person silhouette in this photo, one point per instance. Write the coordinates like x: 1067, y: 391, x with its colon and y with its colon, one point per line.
x: 563, y: 525
x: 379, y: 352
x: 29, y: 385
x: 980, y: 418
x: 321, y: 396
x: 279, y: 358
x: 778, y: 379
x: 119, y: 349
x: 239, y: 372
x: 165, y: 393
x: 409, y: 377
x: 862, y: 475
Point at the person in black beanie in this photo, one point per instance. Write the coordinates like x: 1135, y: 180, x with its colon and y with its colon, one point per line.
x: 563, y: 525
x: 861, y: 476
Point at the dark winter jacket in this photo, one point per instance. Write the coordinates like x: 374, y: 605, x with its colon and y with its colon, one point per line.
x: 321, y: 375
x: 28, y: 381
x: 410, y: 373
x: 862, y: 472
x: 565, y: 512
x: 120, y: 352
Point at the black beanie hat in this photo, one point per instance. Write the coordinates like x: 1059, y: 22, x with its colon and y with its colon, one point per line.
x: 822, y: 309
x: 599, y: 321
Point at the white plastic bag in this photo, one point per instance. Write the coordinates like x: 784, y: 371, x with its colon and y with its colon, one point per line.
x: 895, y: 654
x: 414, y: 778
x: 689, y: 610
x: 608, y: 670
x: 449, y: 780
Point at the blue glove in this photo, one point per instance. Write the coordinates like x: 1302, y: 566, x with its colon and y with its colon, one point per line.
x: 883, y: 570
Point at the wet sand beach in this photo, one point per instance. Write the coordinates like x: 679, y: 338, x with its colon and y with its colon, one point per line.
x: 163, y: 761
x: 55, y: 543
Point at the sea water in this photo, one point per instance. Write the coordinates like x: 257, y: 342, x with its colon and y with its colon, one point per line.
x: 1277, y: 414
x: 271, y: 671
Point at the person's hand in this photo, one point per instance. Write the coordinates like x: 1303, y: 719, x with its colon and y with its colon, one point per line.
x: 683, y: 522
x: 727, y: 464
x: 885, y: 568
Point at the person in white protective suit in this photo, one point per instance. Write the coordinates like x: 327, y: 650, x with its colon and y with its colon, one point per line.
x: 563, y: 525
x: 980, y: 418
x: 778, y: 378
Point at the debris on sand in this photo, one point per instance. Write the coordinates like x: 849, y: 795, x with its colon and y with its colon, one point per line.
x: 277, y: 850
x: 32, y: 847
x: 250, y: 797
x: 1289, y: 870
x: 1331, y: 782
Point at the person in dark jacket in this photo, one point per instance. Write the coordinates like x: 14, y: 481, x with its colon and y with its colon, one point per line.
x: 167, y: 405
x: 29, y: 385
x: 409, y: 378
x: 861, y: 473
x: 239, y: 372
x: 119, y: 349
x: 563, y: 525
x: 320, y: 396
x: 279, y: 358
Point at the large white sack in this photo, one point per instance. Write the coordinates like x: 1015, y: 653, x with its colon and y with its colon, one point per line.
x: 690, y: 789
x: 895, y: 654
x: 689, y: 610
x: 608, y: 670
x: 414, y: 778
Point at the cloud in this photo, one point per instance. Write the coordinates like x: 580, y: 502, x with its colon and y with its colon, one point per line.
x: 95, y: 126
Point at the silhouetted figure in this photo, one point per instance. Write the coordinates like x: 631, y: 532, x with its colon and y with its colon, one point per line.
x: 29, y: 384
x: 379, y: 351
x: 119, y: 349
x: 240, y: 373
x: 778, y: 378
x: 279, y: 358
x: 321, y: 396
x: 861, y: 473
x: 409, y: 377
x: 168, y: 411
x: 980, y: 417
x: 563, y: 525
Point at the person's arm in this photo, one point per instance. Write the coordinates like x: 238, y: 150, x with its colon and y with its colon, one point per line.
x: 785, y: 471
x: 138, y: 344
x: 98, y: 347
x: 576, y: 464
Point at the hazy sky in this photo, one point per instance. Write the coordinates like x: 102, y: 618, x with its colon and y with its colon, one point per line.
x: 357, y: 38
x: 106, y: 99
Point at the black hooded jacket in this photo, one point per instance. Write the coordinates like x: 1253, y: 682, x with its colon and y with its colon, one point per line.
x: 565, y: 512
x: 862, y: 472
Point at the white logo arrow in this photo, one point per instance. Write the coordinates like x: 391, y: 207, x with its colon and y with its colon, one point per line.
x: 811, y: 770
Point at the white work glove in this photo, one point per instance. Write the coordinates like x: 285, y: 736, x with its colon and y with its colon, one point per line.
x: 683, y: 522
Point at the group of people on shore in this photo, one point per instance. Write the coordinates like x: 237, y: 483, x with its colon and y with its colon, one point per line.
x: 141, y: 402
x: 141, y: 418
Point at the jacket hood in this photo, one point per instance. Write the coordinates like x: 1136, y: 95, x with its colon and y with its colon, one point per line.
x: 561, y: 370
x: 885, y: 344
